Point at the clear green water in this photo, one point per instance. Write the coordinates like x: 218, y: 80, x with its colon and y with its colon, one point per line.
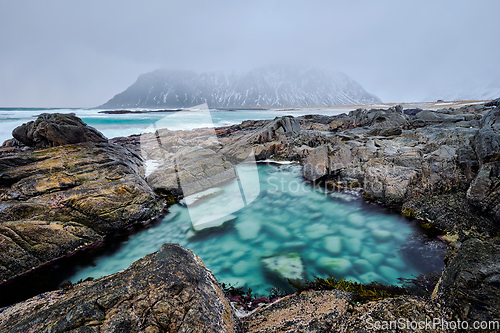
x: 298, y: 230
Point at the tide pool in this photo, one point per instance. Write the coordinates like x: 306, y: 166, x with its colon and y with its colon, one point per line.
x: 291, y: 230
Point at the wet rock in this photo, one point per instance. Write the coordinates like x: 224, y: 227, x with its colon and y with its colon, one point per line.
x: 470, y: 283
x: 56, y: 200
x: 442, y: 210
x: 170, y: 290
x: 56, y: 129
x: 195, y: 199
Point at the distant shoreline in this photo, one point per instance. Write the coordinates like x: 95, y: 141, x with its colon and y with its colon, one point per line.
x: 177, y: 110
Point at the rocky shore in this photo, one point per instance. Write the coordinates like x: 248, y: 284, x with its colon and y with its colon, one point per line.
x: 64, y: 186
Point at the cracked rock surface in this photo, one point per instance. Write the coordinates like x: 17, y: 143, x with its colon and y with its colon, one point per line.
x: 167, y: 291
x: 54, y: 200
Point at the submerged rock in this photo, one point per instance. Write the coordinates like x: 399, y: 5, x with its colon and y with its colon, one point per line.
x: 196, y: 198
x: 210, y: 221
x: 170, y: 290
x: 284, y: 266
x: 339, y: 266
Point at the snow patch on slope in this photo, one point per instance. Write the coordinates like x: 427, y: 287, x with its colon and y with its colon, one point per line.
x: 273, y: 86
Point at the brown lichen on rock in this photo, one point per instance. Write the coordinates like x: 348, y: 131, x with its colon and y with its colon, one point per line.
x: 306, y: 312
x: 167, y: 291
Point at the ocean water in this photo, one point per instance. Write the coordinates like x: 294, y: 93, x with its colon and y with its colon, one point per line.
x: 114, y: 125
x: 291, y: 230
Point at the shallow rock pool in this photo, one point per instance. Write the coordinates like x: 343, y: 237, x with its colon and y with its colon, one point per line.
x: 283, y: 227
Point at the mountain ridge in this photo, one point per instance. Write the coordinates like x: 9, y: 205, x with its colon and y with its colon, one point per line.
x: 277, y: 86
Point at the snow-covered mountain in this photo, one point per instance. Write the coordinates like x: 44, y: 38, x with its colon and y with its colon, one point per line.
x: 277, y: 86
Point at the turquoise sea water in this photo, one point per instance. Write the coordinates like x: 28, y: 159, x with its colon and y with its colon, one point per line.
x: 291, y: 230
x: 126, y: 124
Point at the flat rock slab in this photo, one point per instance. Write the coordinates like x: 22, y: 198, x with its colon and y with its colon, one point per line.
x: 167, y: 291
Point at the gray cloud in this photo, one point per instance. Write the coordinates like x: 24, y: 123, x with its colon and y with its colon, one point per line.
x: 69, y: 53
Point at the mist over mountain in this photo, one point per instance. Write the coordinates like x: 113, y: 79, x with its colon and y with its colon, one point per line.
x: 272, y: 86
x: 480, y: 92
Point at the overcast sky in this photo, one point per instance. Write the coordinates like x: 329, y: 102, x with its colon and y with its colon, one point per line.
x: 72, y: 53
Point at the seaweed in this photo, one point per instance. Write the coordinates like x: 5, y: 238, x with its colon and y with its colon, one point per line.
x: 69, y: 285
x: 362, y: 292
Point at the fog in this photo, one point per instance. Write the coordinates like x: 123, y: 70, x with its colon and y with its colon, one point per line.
x: 80, y: 54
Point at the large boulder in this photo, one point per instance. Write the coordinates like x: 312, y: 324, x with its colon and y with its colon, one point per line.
x: 278, y: 129
x: 486, y: 142
x: 470, y: 283
x: 56, y: 129
x: 392, y: 118
x: 56, y: 200
x: 316, y: 164
x: 379, y: 118
x: 263, y: 139
x: 389, y: 183
x: 167, y: 291
x: 484, y: 191
x: 426, y: 118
